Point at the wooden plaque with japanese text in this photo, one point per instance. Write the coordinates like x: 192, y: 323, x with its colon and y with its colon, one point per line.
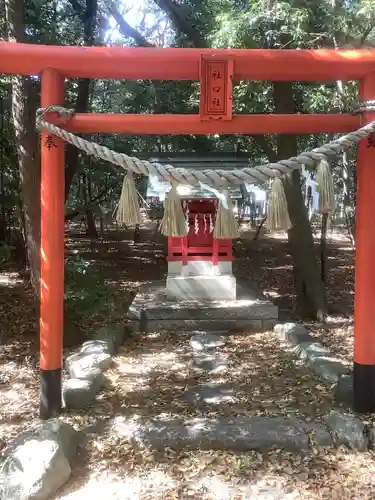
x: 216, y: 88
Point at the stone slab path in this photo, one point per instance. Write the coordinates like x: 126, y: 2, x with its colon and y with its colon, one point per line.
x: 235, y: 432
x: 213, y: 415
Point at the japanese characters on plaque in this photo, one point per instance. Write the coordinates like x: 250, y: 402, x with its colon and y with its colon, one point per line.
x: 216, y: 89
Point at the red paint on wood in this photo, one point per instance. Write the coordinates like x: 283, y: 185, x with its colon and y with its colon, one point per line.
x: 183, y: 64
x: 364, y: 330
x: 110, y: 123
x: 199, y: 245
x: 52, y: 233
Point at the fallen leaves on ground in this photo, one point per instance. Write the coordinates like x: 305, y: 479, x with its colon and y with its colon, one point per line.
x: 152, y: 375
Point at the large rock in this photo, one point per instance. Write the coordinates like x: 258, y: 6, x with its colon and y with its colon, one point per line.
x: 113, y: 336
x: 95, y: 347
x: 343, y: 390
x: 39, y: 462
x: 348, y: 430
x: 329, y: 369
x: 292, y: 332
x: 236, y: 433
x: 313, y: 353
x: 310, y: 350
x: 79, y: 363
x: 78, y: 393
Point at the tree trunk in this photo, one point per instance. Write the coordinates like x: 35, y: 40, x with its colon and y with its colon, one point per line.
x: 23, y: 111
x: 311, y: 301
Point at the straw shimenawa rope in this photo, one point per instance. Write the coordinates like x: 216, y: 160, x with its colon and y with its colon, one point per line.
x: 226, y: 226
x: 277, y: 213
x: 128, y: 209
x: 325, y: 188
x: 215, y: 177
x: 173, y: 222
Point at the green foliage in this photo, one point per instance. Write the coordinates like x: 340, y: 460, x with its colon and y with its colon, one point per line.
x: 85, y: 293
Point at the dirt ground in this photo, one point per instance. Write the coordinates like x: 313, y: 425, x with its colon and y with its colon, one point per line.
x: 152, y: 374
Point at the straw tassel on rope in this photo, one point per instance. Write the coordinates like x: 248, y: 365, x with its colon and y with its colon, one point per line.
x: 226, y: 226
x: 128, y: 210
x: 325, y: 188
x: 173, y: 222
x: 277, y: 214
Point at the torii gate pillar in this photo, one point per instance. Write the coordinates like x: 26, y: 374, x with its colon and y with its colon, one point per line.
x: 52, y: 254
x: 364, y: 307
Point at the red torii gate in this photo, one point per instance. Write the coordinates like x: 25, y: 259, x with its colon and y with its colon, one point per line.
x: 215, y: 68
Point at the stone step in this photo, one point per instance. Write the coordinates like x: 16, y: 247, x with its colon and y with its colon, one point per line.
x: 204, y: 310
x: 151, y: 311
x: 176, y: 326
x: 243, y: 433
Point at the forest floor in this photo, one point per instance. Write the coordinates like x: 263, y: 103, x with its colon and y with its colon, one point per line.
x: 152, y: 373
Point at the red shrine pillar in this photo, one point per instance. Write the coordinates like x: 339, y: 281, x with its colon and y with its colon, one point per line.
x: 51, y: 254
x: 364, y: 329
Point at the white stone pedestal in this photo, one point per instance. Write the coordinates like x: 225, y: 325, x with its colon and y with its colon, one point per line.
x: 200, y: 280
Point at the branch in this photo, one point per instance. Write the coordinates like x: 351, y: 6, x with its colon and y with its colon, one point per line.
x: 180, y: 15
x: 366, y: 34
x: 125, y: 28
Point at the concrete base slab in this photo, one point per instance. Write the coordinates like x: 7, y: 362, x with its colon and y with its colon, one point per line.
x: 151, y: 311
x: 201, y: 287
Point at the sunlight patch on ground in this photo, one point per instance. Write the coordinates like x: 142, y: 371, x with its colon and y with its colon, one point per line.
x: 18, y: 397
x: 10, y: 279
x: 272, y: 294
x: 149, y: 362
x: 111, y: 487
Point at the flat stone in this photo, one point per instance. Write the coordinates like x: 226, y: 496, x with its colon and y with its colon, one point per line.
x: 211, y: 393
x: 79, y: 393
x: 348, y: 430
x: 343, y: 391
x: 38, y: 463
x: 237, y: 434
x: 204, y: 341
x: 293, y: 333
x: 210, y: 363
x: 78, y: 363
x: 329, y: 369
